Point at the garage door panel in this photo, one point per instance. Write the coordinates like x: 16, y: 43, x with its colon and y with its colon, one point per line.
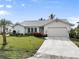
x: 56, y: 31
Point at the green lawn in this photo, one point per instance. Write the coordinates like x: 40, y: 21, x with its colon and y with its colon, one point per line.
x: 20, y: 47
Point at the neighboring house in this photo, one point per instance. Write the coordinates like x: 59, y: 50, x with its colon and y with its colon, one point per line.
x: 9, y: 28
x: 43, y: 26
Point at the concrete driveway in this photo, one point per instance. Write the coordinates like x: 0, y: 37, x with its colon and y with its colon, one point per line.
x: 57, y: 48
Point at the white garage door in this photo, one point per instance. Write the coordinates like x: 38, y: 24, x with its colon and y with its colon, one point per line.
x: 57, y: 32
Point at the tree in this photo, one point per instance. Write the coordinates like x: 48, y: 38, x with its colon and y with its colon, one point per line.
x: 52, y: 16
x: 72, y: 33
x: 3, y: 24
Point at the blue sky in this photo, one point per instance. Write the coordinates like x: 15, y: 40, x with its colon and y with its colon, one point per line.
x: 20, y: 10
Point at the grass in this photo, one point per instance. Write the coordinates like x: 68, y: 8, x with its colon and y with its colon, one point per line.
x: 20, y: 47
x: 76, y: 41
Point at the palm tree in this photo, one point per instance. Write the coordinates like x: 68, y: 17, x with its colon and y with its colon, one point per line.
x: 3, y: 24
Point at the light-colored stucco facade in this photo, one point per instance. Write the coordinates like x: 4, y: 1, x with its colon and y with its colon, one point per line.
x: 24, y: 30
x: 40, y: 26
x: 37, y: 26
x: 56, y: 24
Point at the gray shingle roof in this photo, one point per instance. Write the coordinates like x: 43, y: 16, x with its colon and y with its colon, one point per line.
x: 41, y: 23
x: 34, y: 23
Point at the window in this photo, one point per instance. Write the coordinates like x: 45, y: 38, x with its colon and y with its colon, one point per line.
x: 35, y: 29
x: 41, y: 29
x: 31, y: 30
x: 28, y: 30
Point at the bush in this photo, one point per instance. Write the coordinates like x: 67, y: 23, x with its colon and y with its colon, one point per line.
x: 39, y: 34
x: 36, y: 34
x: 45, y: 35
x: 77, y: 35
x: 28, y: 34
x: 11, y: 34
x: 17, y: 34
x: 72, y: 33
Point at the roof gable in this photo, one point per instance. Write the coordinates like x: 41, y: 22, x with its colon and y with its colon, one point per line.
x: 43, y: 22
x: 60, y: 20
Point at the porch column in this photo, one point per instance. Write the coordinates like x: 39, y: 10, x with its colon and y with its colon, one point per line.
x: 37, y: 29
x: 25, y: 28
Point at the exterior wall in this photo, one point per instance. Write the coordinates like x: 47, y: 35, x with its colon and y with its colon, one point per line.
x: 56, y: 24
x: 35, y: 27
x: 26, y: 30
x: 19, y: 29
x: 8, y: 29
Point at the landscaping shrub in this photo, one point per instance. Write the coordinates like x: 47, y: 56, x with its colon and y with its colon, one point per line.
x: 77, y: 35
x: 28, y: 34
x: 39, y: 34
x: 36, y: 34
x: 17, y: 34
x: 45, y: 35
x: 11, y: 34
x: 72, y: 33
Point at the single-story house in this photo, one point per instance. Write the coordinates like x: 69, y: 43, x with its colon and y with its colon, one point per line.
x: 44, y: 26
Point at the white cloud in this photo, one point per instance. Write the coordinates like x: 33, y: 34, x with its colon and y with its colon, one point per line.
x: 1, y: 6
x: 8, y: 6
x: 74, y: 20
x: 4, y: 12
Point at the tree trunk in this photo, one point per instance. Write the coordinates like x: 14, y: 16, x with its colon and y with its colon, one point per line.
x: 4, y: 36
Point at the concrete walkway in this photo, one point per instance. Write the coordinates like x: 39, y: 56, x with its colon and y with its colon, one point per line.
x: 57, y: 48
